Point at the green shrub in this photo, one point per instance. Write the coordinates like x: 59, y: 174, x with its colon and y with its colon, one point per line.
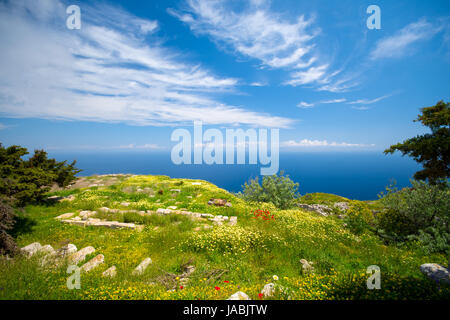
x: 359, y: 217
x: 419, y: 213
x: 277, y: 189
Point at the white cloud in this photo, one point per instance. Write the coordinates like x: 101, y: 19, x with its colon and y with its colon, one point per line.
x: 361, y: 108
x: 369, y: 101
x: 334, y: 101
x: 313, y: 74
x: 305, y: 105
x: 320, y: 143
x: 254, y: 32
x: 400, y: 43
x: 108, y: 71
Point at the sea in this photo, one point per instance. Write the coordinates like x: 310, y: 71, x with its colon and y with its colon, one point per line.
x: 355, y: 175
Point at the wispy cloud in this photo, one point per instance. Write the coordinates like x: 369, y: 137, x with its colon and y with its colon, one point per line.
x: 361, y: 108
x: 254, y: 32
x: 369, y: 101
x: 400, y: 43
x: 320, y: 143
x: 305, y: 105
x: 258, y: 32
x: 333, y: 101
x: 106, y: 71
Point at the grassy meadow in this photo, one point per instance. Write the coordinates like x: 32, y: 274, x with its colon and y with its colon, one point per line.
x: 227, y: 259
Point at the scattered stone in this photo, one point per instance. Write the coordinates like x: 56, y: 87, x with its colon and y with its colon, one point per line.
x: 307, y: 266
x: 86, y: 214
x: 268, y: 290
x: 94, y: 262
x: 163, y: 211
x: 189, y: 197
x: 79, y: 256
x: 175, y: 190
x: 31, y: 249
x: 233, y: 221
x: 239, y: 296
x: 65, y: 215
x: 219, y: 202
x: 110, y: 272
x: 142, y: 266
x: 47, y: 249
x: 321, y: 209
x: 196, y: 183
x: 67, y: 250
x: 125, y: 204
x: 436, y: 272
x: 172, y: 207
x: 343, y: 206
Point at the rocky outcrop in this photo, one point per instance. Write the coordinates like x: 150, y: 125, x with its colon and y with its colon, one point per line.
x: 321, y: 209
x: 93, y: 263
x: 110, y: 272
x: 436, y: 272
x: 142, y: 266
x: 79, y: 256
x: 219, y: 203
x: 239, y: 296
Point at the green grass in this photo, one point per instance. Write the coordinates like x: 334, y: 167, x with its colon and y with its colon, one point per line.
x: 252, y: 252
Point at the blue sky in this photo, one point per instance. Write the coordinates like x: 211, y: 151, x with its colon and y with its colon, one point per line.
x: 136, y: 70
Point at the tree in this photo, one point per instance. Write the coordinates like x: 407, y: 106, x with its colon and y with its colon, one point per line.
x: 24, y: 182
x: 280, y: 190
x: 432, y: 150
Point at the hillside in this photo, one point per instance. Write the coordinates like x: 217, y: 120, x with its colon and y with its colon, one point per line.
x: 201, y: 250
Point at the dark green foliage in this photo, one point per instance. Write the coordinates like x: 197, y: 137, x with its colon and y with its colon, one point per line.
x: 419, y: 213
x: 7, y: 244
x: 432, y: 150
x: 27, y: 181
x: 277, y: 189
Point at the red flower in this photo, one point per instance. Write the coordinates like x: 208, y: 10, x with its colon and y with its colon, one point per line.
x: 226, y: 281
x: 181, y: 287
x: 260, y: 295
x: 217, y: 288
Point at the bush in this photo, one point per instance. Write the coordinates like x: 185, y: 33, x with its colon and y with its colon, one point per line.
x: 7, y: 244
x: 277, y: 189
x: 359, y: 217
x: 419, y: 213
x: 27, y: 181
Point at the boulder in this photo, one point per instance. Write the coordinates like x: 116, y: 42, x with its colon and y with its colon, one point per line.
x: 319, y: 208
x: 110, y: 272
x: 436, y: 272
x: 307, y: 266
x: 233, y: 221
x: 94, y: 262
x: 219, y: 202
x: 142, y: 266
x: 67, y: 250
x: 65, y: 215
x: 79, y: 256
x: 268, y: 290
x: 31, y: 249
x: 343, y: 206
x: 239, y: 296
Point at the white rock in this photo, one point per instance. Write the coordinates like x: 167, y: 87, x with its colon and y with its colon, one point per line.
x: 79, y: 256
x: 175, y: 190
x: 196, y: 183
x: 94, y: 262
x: 172, y: 207
x: 233, y: 221
x: 142, y: 266
x: 239, y: 296
x: 31, y: 249
x: 125, y: 204
x: 65, y: 215
x: 110, y: 272
x: 67, y: 250
x: 268, y: 290
x: 306, y: 266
